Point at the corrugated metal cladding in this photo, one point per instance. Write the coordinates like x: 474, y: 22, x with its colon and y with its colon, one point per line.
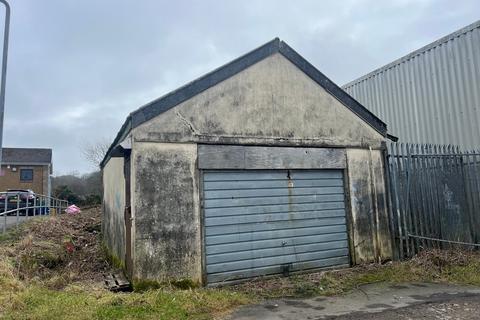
x: 431, y: 95
x: 261, y: 222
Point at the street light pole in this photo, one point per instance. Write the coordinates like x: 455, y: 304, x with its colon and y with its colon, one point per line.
x: 4, y: 72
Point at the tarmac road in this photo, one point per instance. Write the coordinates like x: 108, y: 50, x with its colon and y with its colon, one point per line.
x: 375, y: 302
x: 464, y: 307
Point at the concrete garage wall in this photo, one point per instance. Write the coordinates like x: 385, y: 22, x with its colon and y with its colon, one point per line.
x: 272, y: 102
x: 369, y: 230
x: 113, y: 222
x: 167, y: 208
x: 167, y: 212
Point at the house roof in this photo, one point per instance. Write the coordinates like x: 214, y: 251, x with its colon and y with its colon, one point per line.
x: 228, y: 70
x: 26, y: 156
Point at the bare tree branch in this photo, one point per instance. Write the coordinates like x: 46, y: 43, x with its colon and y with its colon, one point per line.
x: 95, y: 152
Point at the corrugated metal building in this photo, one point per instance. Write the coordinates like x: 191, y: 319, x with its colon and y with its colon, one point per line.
x: 431, y: 95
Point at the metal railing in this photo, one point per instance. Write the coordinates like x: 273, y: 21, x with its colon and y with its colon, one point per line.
x: 16, y: 207
x: 434, y: 197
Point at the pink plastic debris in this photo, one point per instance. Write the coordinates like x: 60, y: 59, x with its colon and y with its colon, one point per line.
x: 73, y: 209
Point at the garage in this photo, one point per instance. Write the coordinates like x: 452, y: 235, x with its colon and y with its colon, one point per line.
x: 261, y: 167
x: 263, y: 222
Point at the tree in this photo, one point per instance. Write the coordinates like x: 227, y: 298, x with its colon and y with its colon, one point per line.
x: 84, y: 189
x: 64, y: 193
x: 95, y: 152
x: 79, y: 189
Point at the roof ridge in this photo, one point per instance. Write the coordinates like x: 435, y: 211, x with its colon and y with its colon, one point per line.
x: 226, y: 71
x: 274, y: 43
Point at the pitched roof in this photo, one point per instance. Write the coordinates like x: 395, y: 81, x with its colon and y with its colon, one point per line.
x: 214, y: 77
x: 26, y: 156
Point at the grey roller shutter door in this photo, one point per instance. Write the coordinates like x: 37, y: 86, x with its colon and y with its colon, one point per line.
x: 259, y: 222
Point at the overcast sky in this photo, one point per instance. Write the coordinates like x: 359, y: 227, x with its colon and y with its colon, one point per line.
x: 77, y: 68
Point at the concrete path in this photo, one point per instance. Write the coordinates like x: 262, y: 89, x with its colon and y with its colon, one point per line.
x: 373, y: 301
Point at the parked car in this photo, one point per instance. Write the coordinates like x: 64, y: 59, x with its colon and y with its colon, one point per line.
x: 18, y: 198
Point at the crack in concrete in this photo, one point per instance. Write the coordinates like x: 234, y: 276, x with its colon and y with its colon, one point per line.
x: 187, y: 123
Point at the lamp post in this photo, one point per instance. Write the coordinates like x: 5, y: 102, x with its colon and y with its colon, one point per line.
x: 4, y: 72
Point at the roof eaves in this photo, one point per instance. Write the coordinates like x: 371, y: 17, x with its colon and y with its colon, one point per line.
x: 26, y: 163
x: 122, y: 133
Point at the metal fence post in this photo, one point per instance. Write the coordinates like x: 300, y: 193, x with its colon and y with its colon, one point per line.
x: 465, y: 170
x: 5, y: 213
x: 18, y: 208
x: 476, y: 194
x: 6, y: 34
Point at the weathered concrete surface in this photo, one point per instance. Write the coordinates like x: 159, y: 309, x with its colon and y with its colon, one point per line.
x: 369, y: 229
x: 167, y: 211
x: 368, y: 299
x: 113, y: 222
x: 384, y: 236
x: 265, y: 158
x: 272, y: 103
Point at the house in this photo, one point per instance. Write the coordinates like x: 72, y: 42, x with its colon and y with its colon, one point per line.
x: 262, y: 166
x: 430, y: 95
x: 26, y: 168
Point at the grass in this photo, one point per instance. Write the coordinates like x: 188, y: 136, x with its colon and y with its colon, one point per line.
x: 51, y: 269
x: 75, y: 303
x: 35, y: 301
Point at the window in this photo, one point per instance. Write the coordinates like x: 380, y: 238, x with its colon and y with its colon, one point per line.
x: 26, y: 175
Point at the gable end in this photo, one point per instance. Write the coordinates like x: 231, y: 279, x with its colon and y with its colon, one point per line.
x: 218, y: 75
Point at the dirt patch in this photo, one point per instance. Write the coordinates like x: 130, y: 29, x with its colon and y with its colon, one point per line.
x: 58, y: 250
x: 448, y: 266
x: 439, y: 259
